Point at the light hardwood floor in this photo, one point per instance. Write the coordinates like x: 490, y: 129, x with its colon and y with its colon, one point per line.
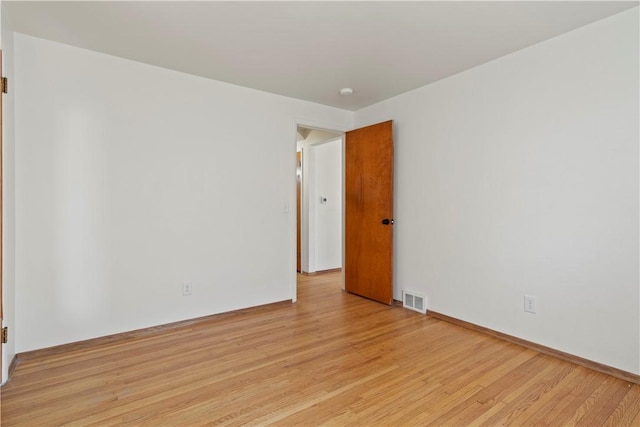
x: 331, y: 359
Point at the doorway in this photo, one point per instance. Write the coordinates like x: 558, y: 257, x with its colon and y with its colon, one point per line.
x: 366, y: 212
x: 319, y: 179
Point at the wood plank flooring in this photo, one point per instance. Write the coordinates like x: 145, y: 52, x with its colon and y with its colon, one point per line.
x: 331, y: 359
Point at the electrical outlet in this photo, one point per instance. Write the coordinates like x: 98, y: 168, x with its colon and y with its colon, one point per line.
x: 187, y: 289
x: 530, y: 304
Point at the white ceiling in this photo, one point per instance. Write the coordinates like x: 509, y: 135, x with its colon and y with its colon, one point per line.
x: 308, y: 50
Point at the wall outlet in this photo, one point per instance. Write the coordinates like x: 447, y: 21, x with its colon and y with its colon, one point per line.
x: 530, y: 304
x: 187, y: 289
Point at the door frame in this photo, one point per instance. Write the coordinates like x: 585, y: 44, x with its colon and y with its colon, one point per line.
x: 316, y: 125
x: 1, y: 224
x: 310, y: 197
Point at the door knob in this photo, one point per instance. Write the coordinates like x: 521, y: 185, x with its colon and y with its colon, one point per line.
x: 387, y: 221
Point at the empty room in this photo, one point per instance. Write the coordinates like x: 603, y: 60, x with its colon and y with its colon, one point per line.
x: 320, y: 213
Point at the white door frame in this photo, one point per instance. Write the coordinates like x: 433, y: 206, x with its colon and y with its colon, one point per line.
x: 309, y: 124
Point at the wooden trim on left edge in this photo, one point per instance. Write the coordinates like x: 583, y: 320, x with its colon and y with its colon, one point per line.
x: 605, y: 369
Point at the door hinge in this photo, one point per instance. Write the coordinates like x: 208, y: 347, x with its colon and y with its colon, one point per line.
x: 5, y: 85
x: 5, y: 335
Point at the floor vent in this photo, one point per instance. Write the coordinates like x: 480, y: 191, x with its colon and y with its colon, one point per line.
x: 414, y: 301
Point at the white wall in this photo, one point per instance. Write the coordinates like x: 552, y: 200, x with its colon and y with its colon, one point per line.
x: 327, y: 229
x: 8, y: 207
x: 520, y: 176
x: 307, y: 211
x: 132, y: 180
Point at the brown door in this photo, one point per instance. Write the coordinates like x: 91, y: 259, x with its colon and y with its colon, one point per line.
x: 368, y: 267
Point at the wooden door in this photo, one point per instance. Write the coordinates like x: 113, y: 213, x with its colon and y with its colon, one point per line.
x: 368, y: 268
